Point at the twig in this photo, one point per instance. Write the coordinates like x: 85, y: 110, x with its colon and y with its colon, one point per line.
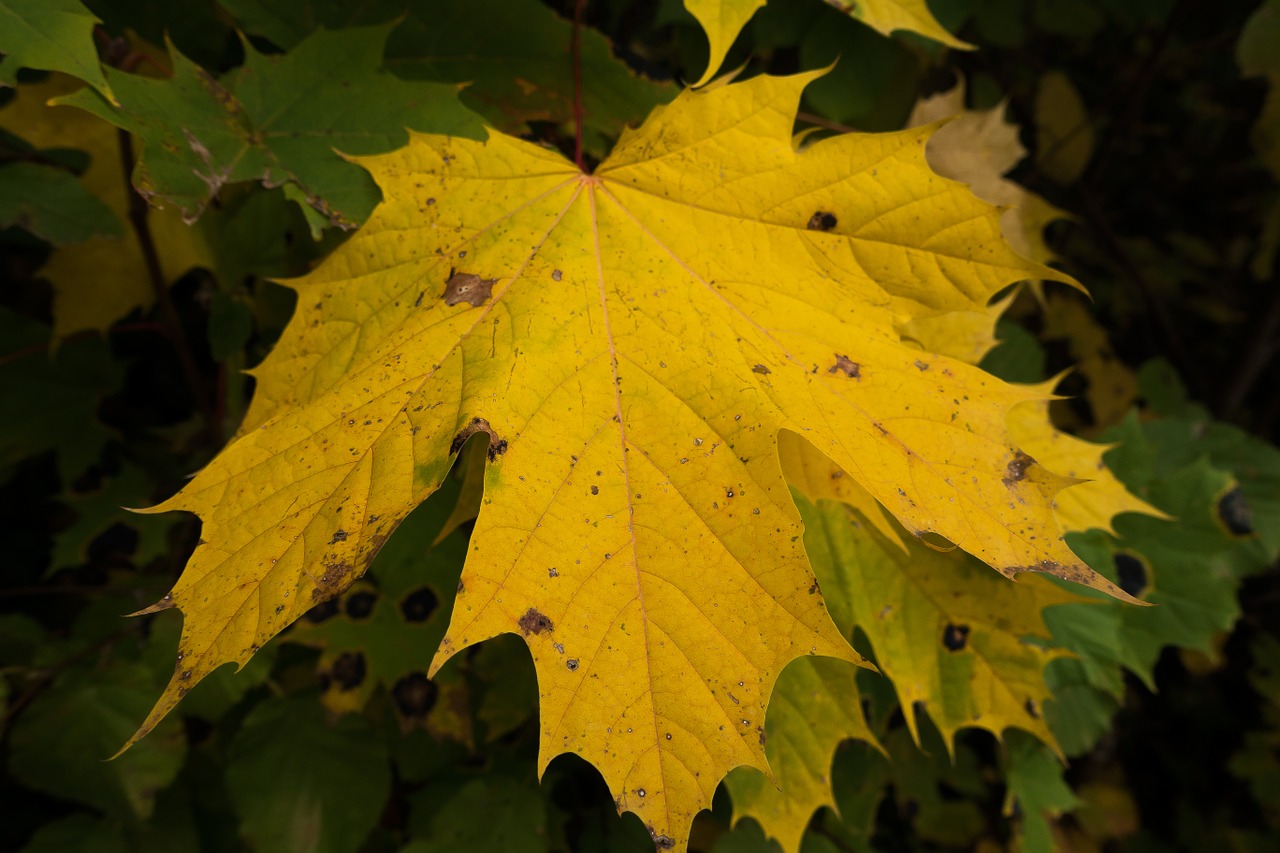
x: 138, y: 210
x: 826, y: 123
x: 576, y: 49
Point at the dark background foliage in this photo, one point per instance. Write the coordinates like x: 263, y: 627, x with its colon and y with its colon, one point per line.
x: 1173, y: 225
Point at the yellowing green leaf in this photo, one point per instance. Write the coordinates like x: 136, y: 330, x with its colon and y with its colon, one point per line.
x: 724, y: 19
x: 815, y: 706
x: 631, y: 342
x: 957, y: 641
x: 98, y: 281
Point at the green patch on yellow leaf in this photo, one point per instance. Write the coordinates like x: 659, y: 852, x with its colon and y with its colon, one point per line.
x: 630, y: 343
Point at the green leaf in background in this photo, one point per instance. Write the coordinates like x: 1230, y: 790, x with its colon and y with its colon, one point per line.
x: 290, y: 775
x: 279, y: 120
x: 60, y: 742
x: 1036, y: 787
x: 512, y: 54
x: 50, y: 400
x: 98, y: 509
x: 445, y: 817
x: 53, y: 204
x: 50, y: 35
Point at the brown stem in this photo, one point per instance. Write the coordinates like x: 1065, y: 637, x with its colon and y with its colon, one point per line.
x: 826, y: 123
x: 576, y: 48
x: 138, y: 210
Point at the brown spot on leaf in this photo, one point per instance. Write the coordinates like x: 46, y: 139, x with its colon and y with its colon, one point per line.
x: 662, y: 842
x: 330, y: 583
x: 468, y: 287
x: 497, y: 446
x: 1032, y: 710
x: 955, y: 637
x: 339, y: 536
x: 1017, y: 468
x: 822, y: 220
x: 846, y: 366
x: 533, y: 622
x: 761, y: 369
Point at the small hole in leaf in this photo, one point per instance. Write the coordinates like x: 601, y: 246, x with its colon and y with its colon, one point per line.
x: 418, y: 605
x: 1131, y: 572
x: 955, y: 637
x: 360, y: 604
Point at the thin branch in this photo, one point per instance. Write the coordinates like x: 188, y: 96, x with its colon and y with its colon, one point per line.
x: 826, y: 123
x: 576, y: 48
x: 1263, y: 347
x: 138, y: 210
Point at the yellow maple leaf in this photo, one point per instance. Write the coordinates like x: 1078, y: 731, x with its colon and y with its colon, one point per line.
x: 100, y: 280
x: 722, y: 20
x: 631, y: 342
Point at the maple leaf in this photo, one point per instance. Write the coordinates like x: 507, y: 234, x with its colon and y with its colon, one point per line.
x: 630, y: 343
x: 724, y: 19
x: 276, y: 119
x: 38, y: 34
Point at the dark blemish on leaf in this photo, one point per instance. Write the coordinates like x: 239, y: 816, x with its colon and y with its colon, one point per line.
x: 330, y: 582
x: 662, y: 842
x: 359, y: 605
x: 339, y: 536
x: 497, y: 446
x: 414, y: 695
x: 323, y: 611
x: 185, y: 675
x: 1235, y: 513
x: 349, y: 670
x: 418, y: 605
x: 813, y: 588
x: 552, y: 573
x: 417, y: 303
x: 461, y: 588
x: 761, y: 369
x: 556, y: 275
x: 533, y: 622
x: 1032, y: 710
x: 845, y: 365
x: 955, y: 637
x: 595, y: 490
x: 279, y: 609
x: 468, y: 287
x: 821, y: 221
x: 1131, y: 573
x: 1017, y: 468
x: 571, y: 664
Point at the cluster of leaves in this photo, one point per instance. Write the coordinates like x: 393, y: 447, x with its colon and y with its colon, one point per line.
x: 580, y: 342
